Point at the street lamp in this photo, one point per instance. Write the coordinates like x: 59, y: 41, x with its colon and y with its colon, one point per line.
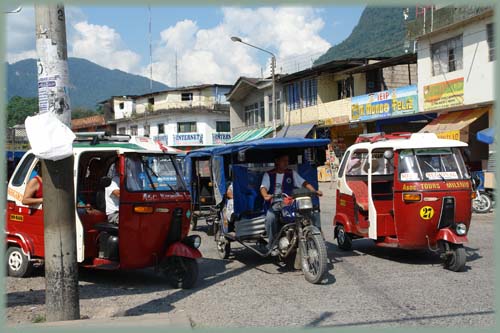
x: 273, y: 66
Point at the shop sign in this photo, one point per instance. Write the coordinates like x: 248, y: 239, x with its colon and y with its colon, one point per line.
x: 444, y: 94
x: 220, y: 138
x: 385, y: 104
x: 161, y: 138
x: 188, y: 139
x: 451, y: 135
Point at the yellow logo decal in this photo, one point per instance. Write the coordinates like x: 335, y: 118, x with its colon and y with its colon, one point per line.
x: 342, y: 202
x: 427, y: 212
x: 14, y: 217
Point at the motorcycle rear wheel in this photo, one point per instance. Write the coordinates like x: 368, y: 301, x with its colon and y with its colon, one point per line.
x: 315, y: 260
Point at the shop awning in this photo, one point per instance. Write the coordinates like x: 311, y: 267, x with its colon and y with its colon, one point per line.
x: 450, y: 125
x: 487, y: 135
x: 295, y: 131
x: 251, y: 135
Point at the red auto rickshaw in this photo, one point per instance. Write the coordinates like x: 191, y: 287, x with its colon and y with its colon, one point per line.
x: 154, y: 212
x: 403, y: 190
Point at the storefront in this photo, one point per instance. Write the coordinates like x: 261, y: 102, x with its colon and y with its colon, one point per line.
x: 464, y: 125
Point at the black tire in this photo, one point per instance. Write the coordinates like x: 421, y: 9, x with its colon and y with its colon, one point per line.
x: 223, y: 246
x: 211, y: 227
x: 456, y: 260
x: 314, y: 266
x: 18, y: 264
x: 193, y: 223
x: 482, y: 204
x: 182, y: 272
x: 344, y: 240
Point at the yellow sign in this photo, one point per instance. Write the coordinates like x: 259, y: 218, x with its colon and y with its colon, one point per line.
x: 444, y: 94
x: 342, y: 202
x: 15, y: 217
x: 427, y: 212
x: 450, y: 135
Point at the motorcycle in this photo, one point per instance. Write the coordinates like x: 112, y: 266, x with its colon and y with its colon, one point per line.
x: 483, y: 201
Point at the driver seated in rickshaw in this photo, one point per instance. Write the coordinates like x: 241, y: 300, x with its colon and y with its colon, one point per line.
x: 279, y: 180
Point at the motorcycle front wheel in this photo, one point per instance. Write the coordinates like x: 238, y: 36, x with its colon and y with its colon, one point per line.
x: 482, y: 204
x: 314, y: 258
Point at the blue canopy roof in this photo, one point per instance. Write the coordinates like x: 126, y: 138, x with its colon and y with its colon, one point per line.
x: 272, y: 143
x: 486, y: 135
x: 201, y: 152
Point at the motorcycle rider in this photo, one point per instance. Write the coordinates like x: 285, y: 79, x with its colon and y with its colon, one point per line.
x: 280, y: 180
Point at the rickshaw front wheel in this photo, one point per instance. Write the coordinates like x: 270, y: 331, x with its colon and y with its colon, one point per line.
x: 314, y: 260
x: 344, y: 240
x: 18, y: 264
x: 456, y: 259
x: 181, y: 272
x: 223, y: 245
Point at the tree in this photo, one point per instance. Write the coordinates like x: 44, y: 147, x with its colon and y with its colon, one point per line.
x: 19, y: 108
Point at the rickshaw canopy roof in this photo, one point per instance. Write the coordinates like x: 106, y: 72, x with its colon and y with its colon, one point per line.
x: 416, y: 140
x: 272, y: 143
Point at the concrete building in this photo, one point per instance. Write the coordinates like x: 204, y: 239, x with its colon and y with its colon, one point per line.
x: 185, y: 118
x: 251, y: 108
x: 456, y: 61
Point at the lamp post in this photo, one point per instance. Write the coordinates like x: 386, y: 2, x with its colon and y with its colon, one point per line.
x: 273, y: 66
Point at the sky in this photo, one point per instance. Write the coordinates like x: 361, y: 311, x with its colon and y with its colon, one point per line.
x: 198, y: 37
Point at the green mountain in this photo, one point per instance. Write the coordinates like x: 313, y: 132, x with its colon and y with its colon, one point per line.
x: 90, y: 83
x: 380, y: 32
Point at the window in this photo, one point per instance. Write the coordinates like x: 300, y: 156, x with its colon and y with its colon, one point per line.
x: 121, y: 105
x: 252, y: 113
x: 491, y: 41
x: 278, y: 113
x: 222, y: 126
x: 21, y: 173
x: 345, y: 88
x: 447, y: 56
x: 309, y: 92
x: 146, y: 130
x: 186, y: 96
x: 151, y: 100
x: 133, y: 130
x: 186, y: 127
x: 301, y: 94
x: 357, y: 163
x: 161, y: 128
x: 121, y: 130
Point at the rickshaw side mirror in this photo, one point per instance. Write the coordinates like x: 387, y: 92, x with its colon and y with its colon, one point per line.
x: 388, y: 154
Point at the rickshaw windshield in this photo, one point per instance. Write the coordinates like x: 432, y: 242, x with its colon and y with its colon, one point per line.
x: 431, y: 164
x: 152, y: 172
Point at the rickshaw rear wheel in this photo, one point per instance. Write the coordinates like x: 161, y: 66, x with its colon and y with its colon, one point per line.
x: 456, y: 259
x: 18, y: 264
x: 193, y: 223
x: 315, y: 260
x: 223, y: 246
x: 182, y: 272
x: 344, y: 240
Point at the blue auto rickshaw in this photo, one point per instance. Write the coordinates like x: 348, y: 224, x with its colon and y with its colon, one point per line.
x: 299, y: 241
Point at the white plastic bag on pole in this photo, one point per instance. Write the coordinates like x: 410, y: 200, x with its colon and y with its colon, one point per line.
x: 50, y: 139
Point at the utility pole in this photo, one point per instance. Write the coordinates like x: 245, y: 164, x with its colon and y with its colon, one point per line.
x: 61, y: 269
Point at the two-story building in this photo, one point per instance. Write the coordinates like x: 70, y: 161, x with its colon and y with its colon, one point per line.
x: 251, y: 108
x: 185, y: 118
x: 456, y: 61
x: 344, y: 98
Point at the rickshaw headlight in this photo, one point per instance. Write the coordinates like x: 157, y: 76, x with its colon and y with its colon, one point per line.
x: 304, y: 203
x: 193, y: 240
x: 461, y: 229
x: 412, y: 197
x: 203, y: 200
x: 143, y: 209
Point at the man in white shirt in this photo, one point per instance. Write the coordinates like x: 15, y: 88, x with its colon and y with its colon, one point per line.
x: 277, y: 181
x: 112, y: 195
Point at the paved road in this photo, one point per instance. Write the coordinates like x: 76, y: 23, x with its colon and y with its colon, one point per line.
x: 368, y: 287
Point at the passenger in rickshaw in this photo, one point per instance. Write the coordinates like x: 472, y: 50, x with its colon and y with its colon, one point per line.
x: 229, y: 207
x: 33, y: 194
x: 112, y: 195
x: 280, y: 180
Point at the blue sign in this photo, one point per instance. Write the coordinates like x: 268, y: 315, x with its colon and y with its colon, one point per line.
x: 384, y: 104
